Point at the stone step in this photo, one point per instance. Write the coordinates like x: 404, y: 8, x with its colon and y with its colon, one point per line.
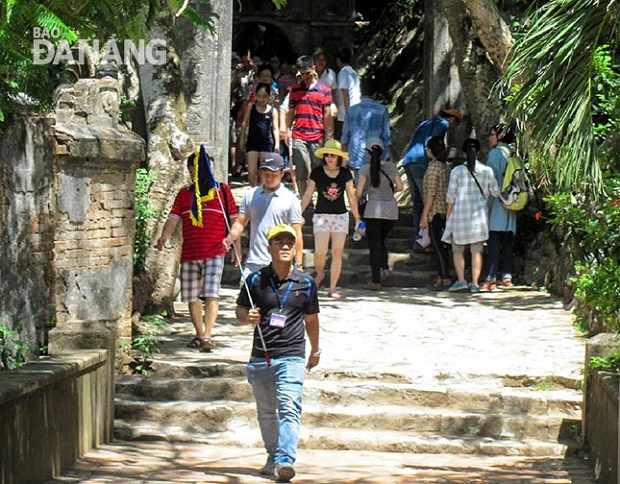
x: 358, y: 259
x: 202, y: 366
x: 227, y: 425
x: 222, y: 415
x: 394, y: 244
x: 352, y: 278
x: 351, y: 393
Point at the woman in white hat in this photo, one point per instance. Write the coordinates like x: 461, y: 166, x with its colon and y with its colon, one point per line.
x: 331, y: 181
x: 380, y: 179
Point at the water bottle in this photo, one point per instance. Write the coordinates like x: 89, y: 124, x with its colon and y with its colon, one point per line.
x: 359, y: 231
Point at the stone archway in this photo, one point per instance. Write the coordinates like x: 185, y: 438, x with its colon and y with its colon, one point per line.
x: 262, y: 39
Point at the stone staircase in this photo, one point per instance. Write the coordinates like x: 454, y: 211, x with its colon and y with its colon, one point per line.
x: 205, y: 398
x: 409, y: 269
x: 344, y: 412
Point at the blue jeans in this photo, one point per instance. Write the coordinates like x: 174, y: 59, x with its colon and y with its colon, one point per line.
x: 415, y: 175
x: 277, y: 392
x: 504, y: 242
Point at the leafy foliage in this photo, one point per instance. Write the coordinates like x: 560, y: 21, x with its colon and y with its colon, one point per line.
x: 595, y: 227
x: 610, y: 363
x: 553, y: 71
x: 24, y: 82
x: 11, y: 349
x: 144, y: 345
x: 144, y: 214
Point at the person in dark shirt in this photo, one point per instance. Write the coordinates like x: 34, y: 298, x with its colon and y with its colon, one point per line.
x: 281, y: 303
x: 331, y: 181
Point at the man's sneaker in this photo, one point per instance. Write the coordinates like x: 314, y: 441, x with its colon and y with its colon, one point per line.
x: 268, y: 469
x: 473, y: 288
x: 458, y: 286
x: 284, y: 472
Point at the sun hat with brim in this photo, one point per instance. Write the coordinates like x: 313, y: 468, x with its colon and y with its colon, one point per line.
x: 333, y: 147
x: 374, y: 141
x: 281, y: 229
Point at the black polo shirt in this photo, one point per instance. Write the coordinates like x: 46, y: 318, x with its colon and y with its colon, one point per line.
x: 298, y: 297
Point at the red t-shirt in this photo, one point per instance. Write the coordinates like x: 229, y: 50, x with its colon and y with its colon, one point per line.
x: 200, y: 243
x: 309, y: 105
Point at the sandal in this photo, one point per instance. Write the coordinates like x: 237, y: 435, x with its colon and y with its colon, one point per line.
x: 195, y: 343
x: 334, y: 295
x: 207, y: 345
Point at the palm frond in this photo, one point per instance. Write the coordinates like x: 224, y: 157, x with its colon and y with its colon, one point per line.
x: 553, y: 67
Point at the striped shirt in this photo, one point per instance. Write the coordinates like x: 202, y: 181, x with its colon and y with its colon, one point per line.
x: 309, y: 106
x: 201, y: 243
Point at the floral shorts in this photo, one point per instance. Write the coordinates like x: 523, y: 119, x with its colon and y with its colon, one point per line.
x: 334, y: 223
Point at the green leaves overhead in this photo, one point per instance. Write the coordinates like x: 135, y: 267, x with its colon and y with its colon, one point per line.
x: 552, y: 72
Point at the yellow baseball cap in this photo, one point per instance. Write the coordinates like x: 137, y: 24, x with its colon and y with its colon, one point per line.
x: 281, y: 229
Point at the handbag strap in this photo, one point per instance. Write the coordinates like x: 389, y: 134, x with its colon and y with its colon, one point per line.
x: 388, y: 178
x: 476, y: 180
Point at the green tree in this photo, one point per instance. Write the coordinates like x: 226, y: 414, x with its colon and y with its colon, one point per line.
x: 553, y: 74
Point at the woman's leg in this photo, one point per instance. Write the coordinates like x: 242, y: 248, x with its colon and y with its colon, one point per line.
x: 373, y: 234
x: 492, y: 261
x: 476, y: 266
x: 458, y: 256
x: 338, y: 240
x: 251, y: 160
x: 321, y: 243
x: 386, y: 227
x: 440, y: 249
x: 508, y: 247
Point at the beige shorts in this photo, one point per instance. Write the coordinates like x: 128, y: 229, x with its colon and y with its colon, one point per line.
x: 475, y: 247
x: 333, y: 223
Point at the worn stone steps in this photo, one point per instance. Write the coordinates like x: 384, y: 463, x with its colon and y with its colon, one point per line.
x: 354, y: 277
x: 244, y: 433
x: 224, y: 415
x: 351, y: 392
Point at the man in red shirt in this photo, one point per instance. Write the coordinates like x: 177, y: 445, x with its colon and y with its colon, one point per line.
x: 309, y: 118
x: 202, y: 254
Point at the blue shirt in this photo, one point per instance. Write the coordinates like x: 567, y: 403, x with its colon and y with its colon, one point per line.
x: 366, y: 119
x: 416, y: 153
x: 500, y: 219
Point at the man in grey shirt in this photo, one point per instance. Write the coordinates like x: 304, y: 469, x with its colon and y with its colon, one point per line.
x: 264, y: 207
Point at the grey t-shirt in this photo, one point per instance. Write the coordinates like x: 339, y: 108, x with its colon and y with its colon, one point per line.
x: 265, y: 210
x: 381, y: 201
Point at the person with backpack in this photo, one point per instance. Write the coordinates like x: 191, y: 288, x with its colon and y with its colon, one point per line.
x: 502, y: 221
x: 467, y: 223
x: 416, y: 160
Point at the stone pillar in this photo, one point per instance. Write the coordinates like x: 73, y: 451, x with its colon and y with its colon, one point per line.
x: 206, y: 67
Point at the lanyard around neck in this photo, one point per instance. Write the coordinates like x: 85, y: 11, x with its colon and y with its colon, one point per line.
x: 275, y: 291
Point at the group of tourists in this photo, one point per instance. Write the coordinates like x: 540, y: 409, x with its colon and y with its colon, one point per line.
x: 339, y: 158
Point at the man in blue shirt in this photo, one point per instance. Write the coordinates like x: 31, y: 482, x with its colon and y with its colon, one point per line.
x: 416, y: 161
x: 367, y: 119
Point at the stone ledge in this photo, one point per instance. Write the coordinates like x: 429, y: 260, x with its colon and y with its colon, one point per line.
x: 37, y: 375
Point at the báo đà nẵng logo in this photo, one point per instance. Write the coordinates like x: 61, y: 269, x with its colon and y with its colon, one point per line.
x: 46, y: 51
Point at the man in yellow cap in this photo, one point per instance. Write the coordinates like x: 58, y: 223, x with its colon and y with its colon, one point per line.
x: 282, y: 304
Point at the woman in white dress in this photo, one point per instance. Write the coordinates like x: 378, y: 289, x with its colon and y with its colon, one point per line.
x: 467, y: 220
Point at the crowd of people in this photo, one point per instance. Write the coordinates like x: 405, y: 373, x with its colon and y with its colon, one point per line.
x: 326, y: 133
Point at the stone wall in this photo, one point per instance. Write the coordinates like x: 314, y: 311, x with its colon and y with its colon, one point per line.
x: 26, y: 231
x: 52, y: 412
x: 67, y: 216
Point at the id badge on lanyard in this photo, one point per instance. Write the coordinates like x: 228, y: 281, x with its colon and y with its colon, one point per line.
x: 278, y: 319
